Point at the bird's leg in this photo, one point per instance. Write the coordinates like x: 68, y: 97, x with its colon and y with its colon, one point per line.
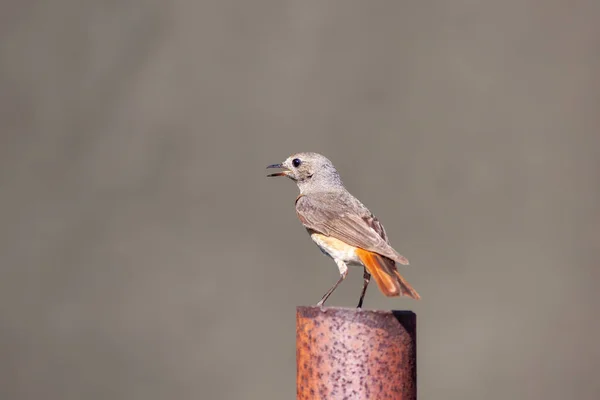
x: 366, y: 280
x: 326, y: 295
x: 343, y: 273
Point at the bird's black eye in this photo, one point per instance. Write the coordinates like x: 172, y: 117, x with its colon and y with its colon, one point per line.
x: 296, y: 162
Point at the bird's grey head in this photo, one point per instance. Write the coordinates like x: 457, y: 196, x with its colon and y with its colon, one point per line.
x: 312, y: 172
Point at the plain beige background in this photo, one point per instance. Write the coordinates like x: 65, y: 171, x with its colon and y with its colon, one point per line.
x: 144, y: 255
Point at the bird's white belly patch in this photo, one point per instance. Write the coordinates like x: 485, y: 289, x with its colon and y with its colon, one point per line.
x: 336, y: 249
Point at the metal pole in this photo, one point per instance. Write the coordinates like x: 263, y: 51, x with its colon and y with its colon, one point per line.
x: 349, y: 353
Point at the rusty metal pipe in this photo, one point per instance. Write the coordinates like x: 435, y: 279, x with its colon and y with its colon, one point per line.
x: 349, y: 353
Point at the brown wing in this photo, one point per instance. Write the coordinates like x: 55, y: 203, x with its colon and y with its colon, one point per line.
x: 347, y: 221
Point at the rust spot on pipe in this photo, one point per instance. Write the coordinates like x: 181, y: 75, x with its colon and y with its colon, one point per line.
x: 351, y: 354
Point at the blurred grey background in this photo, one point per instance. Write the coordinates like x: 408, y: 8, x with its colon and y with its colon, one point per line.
x: 144, y: 255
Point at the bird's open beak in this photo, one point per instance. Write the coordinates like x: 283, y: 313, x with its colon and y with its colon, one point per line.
x: 282, y: 173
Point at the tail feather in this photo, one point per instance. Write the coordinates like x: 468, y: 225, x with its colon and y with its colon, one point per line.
x: 407, y: 289
x: 384, y: 271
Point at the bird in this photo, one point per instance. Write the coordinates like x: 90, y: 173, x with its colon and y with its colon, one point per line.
x: 342, y: 227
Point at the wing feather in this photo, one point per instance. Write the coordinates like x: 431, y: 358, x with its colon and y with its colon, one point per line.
x: 348, y: 220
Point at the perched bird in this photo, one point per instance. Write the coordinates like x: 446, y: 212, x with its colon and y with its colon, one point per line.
x: 342, y: 227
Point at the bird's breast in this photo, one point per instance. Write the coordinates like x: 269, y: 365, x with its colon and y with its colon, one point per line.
x: 335, y: 248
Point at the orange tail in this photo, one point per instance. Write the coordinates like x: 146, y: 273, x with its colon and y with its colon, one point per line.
x: 384, y: 271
